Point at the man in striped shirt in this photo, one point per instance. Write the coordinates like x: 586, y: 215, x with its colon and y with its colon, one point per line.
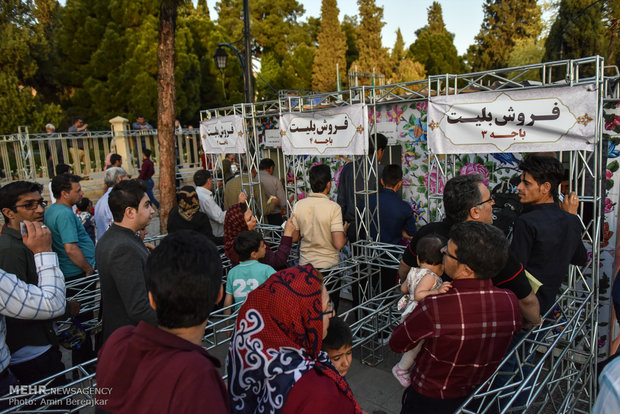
x: 466, y: 331
x: 21, y: 300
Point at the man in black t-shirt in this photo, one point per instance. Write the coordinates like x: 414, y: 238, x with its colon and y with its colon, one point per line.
x: 466, y: 198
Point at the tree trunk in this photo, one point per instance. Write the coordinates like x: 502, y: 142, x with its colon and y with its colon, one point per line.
x: 166, y: 109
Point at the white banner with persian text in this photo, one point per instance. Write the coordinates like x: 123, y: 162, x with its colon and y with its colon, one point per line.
x: 526, y: 120
x: 338, y: 131
x: 223, y: 135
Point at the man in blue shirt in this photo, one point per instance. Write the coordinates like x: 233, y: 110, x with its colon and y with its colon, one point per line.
x: 396, y: 220
x: 75, y: 249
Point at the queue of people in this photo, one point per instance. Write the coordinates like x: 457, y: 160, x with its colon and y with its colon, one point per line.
x: 467, y: 296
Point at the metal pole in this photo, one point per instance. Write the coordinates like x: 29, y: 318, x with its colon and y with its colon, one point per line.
x: 249, y: 93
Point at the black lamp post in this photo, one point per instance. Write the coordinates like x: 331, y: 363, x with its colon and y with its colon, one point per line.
x: 221, y: 56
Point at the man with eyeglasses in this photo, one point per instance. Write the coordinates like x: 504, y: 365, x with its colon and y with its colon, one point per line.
x: 467, y: 330
x: 33, y: 343
x: 466, y: 198
x: 121, y: 256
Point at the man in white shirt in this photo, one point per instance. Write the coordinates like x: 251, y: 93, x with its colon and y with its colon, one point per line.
x: 204, y: 182
x: 103, y: 215
x: 21, y: 300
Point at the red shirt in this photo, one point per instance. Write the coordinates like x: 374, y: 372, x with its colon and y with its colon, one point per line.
x: 147, y: 170
x: 466, y: 334
x: 316, y: 393
x: 145, y: 369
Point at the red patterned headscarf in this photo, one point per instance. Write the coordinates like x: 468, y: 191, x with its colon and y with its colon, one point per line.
x: 234, y: 223
x: 278, y: 337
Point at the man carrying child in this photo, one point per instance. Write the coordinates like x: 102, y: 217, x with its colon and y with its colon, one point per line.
x: 421, y: 282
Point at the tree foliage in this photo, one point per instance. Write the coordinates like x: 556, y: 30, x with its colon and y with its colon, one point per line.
x: 434, y: 47
x: 331, y: 51
x: 349, y: 27
x: 398, y: 51
x: 505, y: 22
x: 25, y: 30
x: 577, y: 32
x: 372, y: 55
x: 278, y: 39
x: 109, y: 55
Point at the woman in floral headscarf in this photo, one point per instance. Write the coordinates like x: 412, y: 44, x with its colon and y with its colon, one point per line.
x: 239, y: 218
x: 187, y: 216
x: 275, y: 362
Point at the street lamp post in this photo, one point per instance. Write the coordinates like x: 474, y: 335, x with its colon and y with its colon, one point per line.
x: 246, y: 64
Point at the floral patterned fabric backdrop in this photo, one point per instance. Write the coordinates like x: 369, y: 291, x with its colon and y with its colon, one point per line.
x: 610, y: 246
x: 419, y: 181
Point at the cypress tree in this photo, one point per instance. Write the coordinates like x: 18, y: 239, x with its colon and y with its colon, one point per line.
x: 331, y: 50
x: 350, y: 27
x: 434, y: 46
x: 504, y: 23
x: 372, y: 55
x: 577, y: 32
x: 398, y: 51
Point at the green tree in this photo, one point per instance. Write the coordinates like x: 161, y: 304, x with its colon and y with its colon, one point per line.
x: 24, y: 51
x: 372, y: 55
x: 577, y: 32
x: 331, y: 50
x: 505, y: 22
x: 350, y: 27
x: 408, y: 70
x: 398, y: 51
x: 111, y: 69
x: 276, y: 36
x: 434, y: 46
x: 612, y: 18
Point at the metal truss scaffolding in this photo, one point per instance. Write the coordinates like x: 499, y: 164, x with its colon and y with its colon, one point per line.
x: 556, y: 363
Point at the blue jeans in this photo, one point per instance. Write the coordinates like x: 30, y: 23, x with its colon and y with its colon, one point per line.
x: 149, y: 191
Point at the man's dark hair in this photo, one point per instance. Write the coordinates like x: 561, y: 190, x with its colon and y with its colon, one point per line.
x: 247, y: 242
x: 201, y: 177
x: 126, y: 193
x: 114, y: 158
x: 265, y: 164
x: 543, y: 169
x: 82, y: 205
x: 480, y: 246
x: 139, y: 116
x: 429, y: 249
x: 392, y: 174
x: 381, y: 143
x: 147, y: 152
x: 62, y: 169
x: 76, y: 119
x: 320, y: 176
x: 9, y: 194
x: 64, y: 182
x: 184, y: 275
x: 338, y: 335
x: 460, y: 194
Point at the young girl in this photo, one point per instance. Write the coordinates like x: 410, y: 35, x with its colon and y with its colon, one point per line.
x: 421, y: 282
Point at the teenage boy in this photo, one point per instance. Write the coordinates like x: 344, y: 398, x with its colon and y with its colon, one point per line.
x: 249, y: 273
x: 339, y: 344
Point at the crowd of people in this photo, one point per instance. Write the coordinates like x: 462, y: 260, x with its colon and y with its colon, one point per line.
x: 470, y: 294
